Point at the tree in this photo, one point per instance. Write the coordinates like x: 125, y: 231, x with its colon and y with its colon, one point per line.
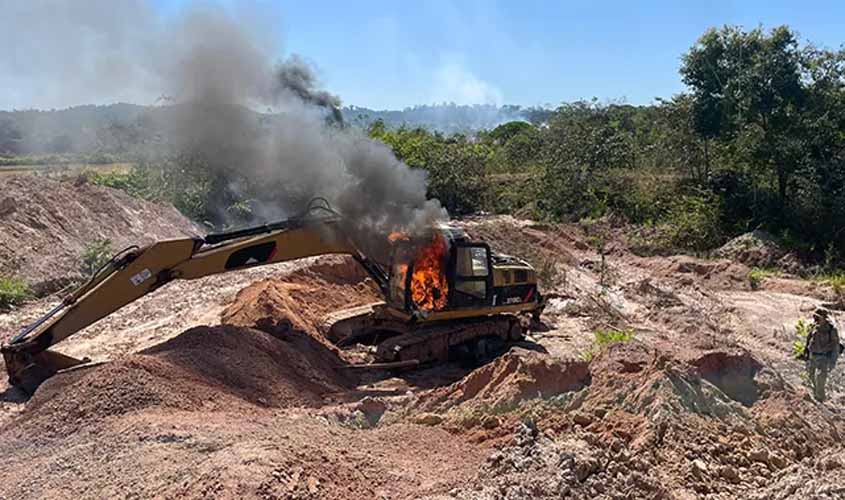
x: 747, y: 88
x: 506, y: 131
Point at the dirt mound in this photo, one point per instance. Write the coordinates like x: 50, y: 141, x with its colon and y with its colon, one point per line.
x: 757, y: 248
x: 526, y: 239
x: 205, y: 368
x: 536, y: 465
x: 45, y: 226
x: 302, y: 299
x: 499, y: 386
x: 718, y: 274
x: 641, y: 422
x: 812, y: 478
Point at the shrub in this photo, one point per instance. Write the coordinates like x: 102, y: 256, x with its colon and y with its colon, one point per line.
x: 757, y: 275
x: 130, y: 181
x: 694, y: 222
x: 13, y: 291
x: 802, y: 329
x: 604, y: 338
x: 835, y: 280
x: 95, y: 256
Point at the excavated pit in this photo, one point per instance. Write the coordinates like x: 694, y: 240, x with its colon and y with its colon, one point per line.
x: 733, y: 373
x: 260, y: 408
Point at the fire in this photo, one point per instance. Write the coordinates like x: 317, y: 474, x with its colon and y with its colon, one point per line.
x: 396, y: 236
x: 429, y: 287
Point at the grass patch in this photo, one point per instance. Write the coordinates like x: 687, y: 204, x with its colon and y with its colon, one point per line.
x: 835, y: 280
x: 13, y: 291
x: 758, y: 274
x: 604, y: 338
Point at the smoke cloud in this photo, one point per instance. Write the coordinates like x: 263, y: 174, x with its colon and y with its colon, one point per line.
x: 220, y: 69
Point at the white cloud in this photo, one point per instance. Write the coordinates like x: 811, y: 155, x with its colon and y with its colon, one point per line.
x: 453, y: 82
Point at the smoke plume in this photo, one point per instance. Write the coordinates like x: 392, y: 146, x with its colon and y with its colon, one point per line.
x: 224, y: 73
x: 296, y: 77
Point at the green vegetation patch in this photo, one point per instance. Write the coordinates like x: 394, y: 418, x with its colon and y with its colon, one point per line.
x: 758, y: 274
x: 96, y: 255
x: 604, y: 338
x: 802, y: 329
x: 835, y: 280
x: 13, y: 291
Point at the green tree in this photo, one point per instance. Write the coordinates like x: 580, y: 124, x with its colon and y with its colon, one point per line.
x: 747, y: 88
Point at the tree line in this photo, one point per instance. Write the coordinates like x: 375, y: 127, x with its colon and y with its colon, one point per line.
x: 757, y: 141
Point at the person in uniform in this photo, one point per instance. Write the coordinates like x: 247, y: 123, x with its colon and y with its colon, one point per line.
x: 822, y: 351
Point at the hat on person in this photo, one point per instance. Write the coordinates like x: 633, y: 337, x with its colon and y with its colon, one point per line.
x: 821, y: 312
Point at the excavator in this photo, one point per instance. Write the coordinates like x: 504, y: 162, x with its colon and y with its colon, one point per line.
x: 443, y: 294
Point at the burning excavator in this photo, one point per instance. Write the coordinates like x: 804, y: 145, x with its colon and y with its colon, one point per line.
x: 444, y: 294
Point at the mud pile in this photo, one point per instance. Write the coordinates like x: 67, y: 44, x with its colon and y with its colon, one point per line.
x: 301, y: 300
x: 45, y: 226
x: 500, y: 386
x: 224, y: 368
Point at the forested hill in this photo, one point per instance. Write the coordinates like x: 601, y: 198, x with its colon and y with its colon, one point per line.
x: 447, y: 118
x: 116, y: 128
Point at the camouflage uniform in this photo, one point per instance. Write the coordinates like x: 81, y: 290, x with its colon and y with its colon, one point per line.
x: 822, y: 350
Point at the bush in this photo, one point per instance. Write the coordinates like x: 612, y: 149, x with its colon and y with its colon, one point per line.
x: 694, y: 222
x: 835, y: 280
x: 604, y: 338
x: 131, y: 181
x: 13, y: 291
x: 95, y: 256
x: 802, y: 329
x: 757, y: 275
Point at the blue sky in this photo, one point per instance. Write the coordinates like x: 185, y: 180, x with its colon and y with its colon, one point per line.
x: 389, y: 54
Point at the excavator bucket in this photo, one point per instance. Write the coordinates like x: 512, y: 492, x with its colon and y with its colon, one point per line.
x: 28, y: 371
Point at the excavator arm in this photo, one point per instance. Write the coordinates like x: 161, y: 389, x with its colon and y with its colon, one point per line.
x: 136, y: 272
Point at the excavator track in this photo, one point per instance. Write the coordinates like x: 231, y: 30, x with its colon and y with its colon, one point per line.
x: 409, y: 344
x: 437, y: 342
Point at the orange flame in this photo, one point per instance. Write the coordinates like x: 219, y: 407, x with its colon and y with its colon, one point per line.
x: 429, y: 287
x: 396, y: 236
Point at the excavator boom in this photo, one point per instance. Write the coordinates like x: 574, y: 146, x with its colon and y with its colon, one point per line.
x: 443, y: 293
x: 136, y: 272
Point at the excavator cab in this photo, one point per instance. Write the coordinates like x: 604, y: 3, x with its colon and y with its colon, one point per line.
x: 472, y: 275
x: 447, y: 271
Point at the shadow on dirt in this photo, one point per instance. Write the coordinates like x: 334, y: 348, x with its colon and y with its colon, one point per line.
x: 13, y: 395
x: 733, y: 373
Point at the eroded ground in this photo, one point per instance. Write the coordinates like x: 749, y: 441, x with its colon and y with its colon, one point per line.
x: 705, y: 402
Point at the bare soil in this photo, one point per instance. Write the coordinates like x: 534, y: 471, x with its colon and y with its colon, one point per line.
x: 705, y: 402
x: 46, y: 225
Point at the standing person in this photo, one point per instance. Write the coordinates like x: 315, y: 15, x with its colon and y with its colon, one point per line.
x: 822, y: 350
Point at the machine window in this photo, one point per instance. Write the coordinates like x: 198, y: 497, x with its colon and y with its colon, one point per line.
x: 471, y: 271
x: 472, y: 262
